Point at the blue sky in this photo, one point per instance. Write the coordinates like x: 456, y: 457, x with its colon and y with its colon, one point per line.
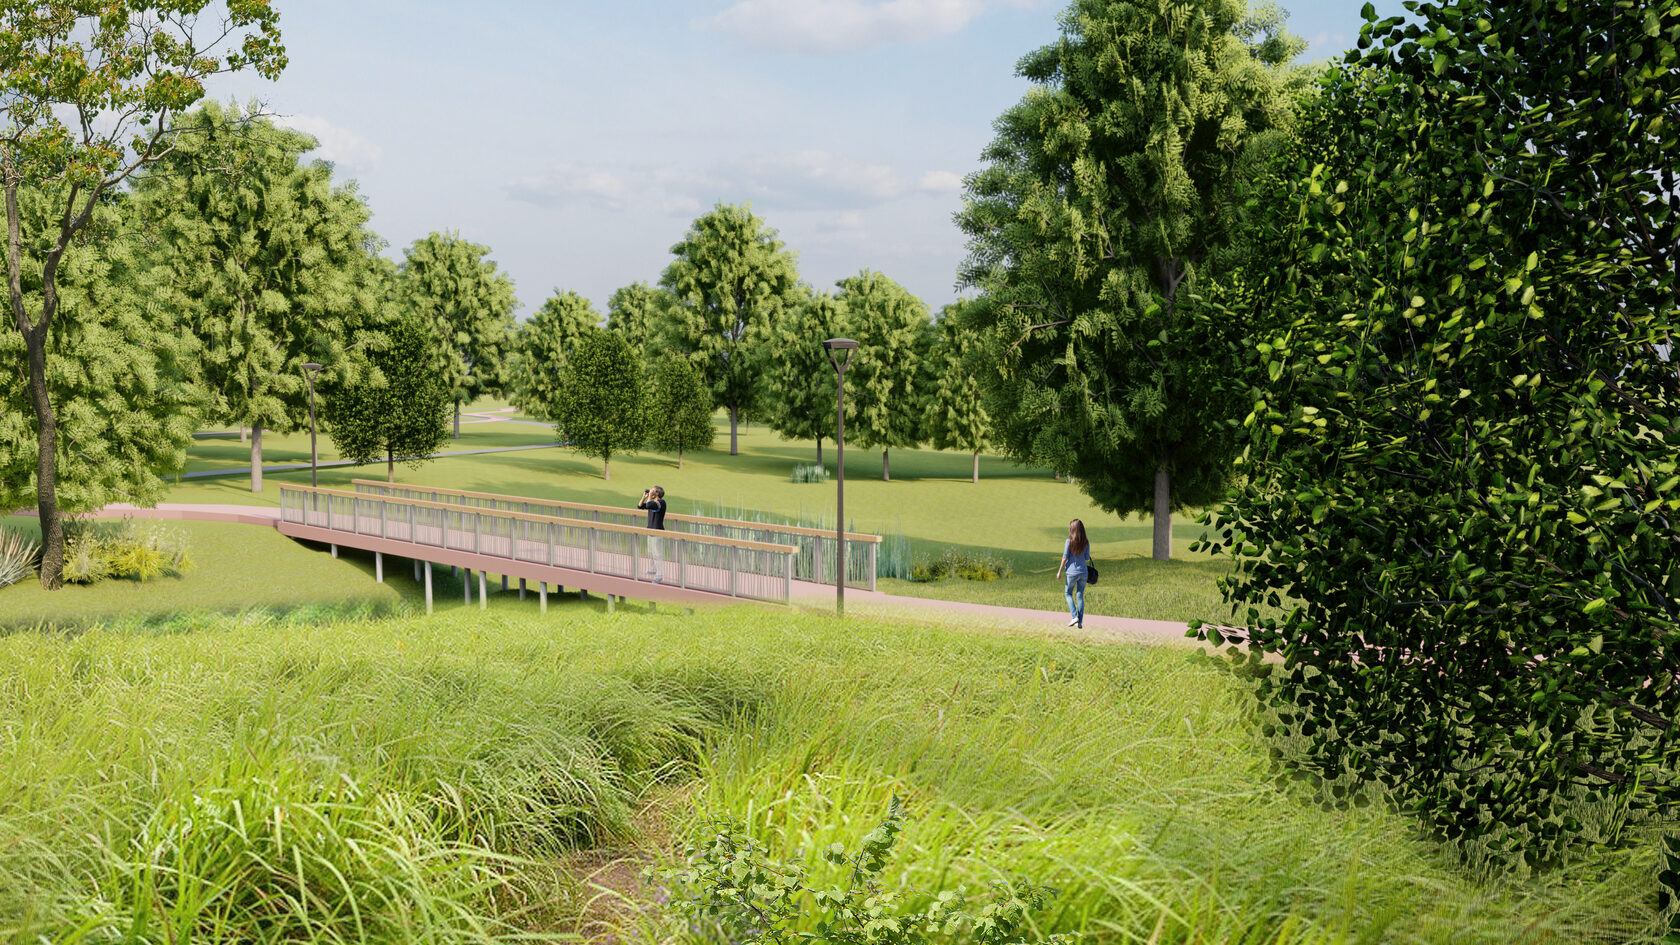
x: 577, y: 140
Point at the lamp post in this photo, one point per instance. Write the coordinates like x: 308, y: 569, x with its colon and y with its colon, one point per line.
x: 839, y: 353
x: 310, y: 369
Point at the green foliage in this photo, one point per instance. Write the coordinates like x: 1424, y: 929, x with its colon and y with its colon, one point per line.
x: 117, y: 368
x: 542, y: 346
x: 888, y: 378
x: 798, y: 381
x: 955, y: 562
x: 96, y: 550
x: 406, y: 414
x: 600, y: 406
x: 731, y: 280
x: 730, y: 889
x: 18, y: 554
x: 680, y: 408
x: 1111, y: 187
x: 266, y: 263
x: 954, y: 416
x: 809, y: 473
x: 638, y: 312
x: 1462, y: 454
x: 447, y: 280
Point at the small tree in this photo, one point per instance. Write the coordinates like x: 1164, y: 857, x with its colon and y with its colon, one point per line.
x: 404, y: 416
x: 955, y: 415
x: 90, y: 93
x: 448, y: 280
x: 543, y: 345
x: 798, y: 379
x: 600, y: 406
x: 888, y: 377
x: 638, y: 311
x: 681, y: 408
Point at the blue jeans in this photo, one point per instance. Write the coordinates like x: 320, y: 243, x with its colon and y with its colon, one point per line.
x: 1076, y: 595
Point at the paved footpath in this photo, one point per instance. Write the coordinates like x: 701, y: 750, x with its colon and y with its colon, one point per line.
x: 806, y: 595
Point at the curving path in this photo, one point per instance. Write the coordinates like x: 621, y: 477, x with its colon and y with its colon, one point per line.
x: 805, y: 594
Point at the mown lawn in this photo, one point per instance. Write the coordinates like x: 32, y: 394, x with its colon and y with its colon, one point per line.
x: 442, y: 779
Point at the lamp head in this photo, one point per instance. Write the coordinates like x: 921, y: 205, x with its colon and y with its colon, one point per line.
x: 311, y: 367
x: 839, y: 351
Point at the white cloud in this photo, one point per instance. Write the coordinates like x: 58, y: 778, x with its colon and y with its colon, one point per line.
x: 343, y: 147
x: 796, y: 180
x: 1326, y: 44
x: 833, y: 26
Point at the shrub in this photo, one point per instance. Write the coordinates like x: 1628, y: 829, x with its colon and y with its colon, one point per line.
x: 964, y: 564
x: 96, y: 551
x: 17, y: 557
x: 811, y: 473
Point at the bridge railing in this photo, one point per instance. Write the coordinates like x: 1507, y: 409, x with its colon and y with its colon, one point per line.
x: 814, y: 559
x: 747, y: 569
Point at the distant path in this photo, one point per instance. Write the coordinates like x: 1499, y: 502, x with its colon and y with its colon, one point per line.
x: 286, y: 467
x: 805, y: 594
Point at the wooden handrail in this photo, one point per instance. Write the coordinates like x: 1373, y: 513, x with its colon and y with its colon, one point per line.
x: 733, y: 522
x: 549, y: 519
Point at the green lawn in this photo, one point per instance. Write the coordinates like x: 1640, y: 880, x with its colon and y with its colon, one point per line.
x: 1016, y: 512
x: 451, y: 779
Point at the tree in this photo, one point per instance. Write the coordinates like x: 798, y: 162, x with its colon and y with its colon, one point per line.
x: 888, y: 376
x: 637, y: 311
x: 1462, y: 458
x: 543, y: 345
x: 955, y: 415
x: 116, y: 371
x: 730, y: 281
x: 680, y: 408
x: 90, y: 95
x: 1109, y: 192
x: 405, y: 414
x: 448, y: 280
x: 600, y: 406
x: 268, y: 264
x: 798, y: 394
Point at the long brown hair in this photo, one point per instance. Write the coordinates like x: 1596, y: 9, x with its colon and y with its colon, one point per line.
x: 1077, y: 543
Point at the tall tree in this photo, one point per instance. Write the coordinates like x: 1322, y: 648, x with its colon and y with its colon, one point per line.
x: 888, y: 377
x: 731, y: 280
x: 680, y: 408
x: 90, y: 94
x: 1462, y: 468
x: 269, y: 265
x: 798, y: 395
x: 542, y: 346
x: 399, y: 409
x: 638, y: 312
x: 600, y: 406
x: 117, y: 370
x: 1109, y: 189
x: 449, y: 280
x: 955, y: 415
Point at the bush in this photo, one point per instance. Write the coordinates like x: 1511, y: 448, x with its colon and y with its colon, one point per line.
x: 96, y: 551
x: 17, y: 557
x: 958, y: 563
x: 812, y: 473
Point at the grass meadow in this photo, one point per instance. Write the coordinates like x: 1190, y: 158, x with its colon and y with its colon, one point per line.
x: 447, y: 779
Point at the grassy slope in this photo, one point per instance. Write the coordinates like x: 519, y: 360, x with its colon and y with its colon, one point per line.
x: 1017, y: 512
x: 389, y: 768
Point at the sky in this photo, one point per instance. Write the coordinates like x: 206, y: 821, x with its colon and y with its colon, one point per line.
x: 578, y: 140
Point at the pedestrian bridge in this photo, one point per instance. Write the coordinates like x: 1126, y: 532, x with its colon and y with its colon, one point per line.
x: 591, y: 548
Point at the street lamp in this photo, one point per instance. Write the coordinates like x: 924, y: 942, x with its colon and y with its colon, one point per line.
x: 310, y: 369
x: 839, y: 353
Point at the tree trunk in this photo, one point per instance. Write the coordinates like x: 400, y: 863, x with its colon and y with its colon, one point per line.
x: 46, y: 467
x: 457, y: 419
x: 819, y: 451
x: 734, y: 416
x: 390, y: 466
x: 1162, y: 550
x: 606, y: 467
x: 256, y: 457
x: 244, y: 434
x: 886, y: 474
x: 976, y: 466
x: 679, y: 457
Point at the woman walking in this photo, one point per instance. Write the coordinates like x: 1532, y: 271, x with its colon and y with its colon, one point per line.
x: 1076, y: 560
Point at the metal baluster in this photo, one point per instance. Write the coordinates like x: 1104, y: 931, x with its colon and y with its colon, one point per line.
x: 732, y: 558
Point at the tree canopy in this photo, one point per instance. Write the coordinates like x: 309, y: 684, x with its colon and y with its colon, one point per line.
x: 798, y: 379
x: 955, y: 415
x: 730, y: 281
x: 1111, y: 188
x: 600, y: 406
x: 679, y: 408
x: 637, y: 311
x: 887, y: 380
x: 470, y: 302
x: 398, y: 410
x: 542, y: 346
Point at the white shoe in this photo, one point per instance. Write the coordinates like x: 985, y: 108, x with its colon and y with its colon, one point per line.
x: 1073, y: 621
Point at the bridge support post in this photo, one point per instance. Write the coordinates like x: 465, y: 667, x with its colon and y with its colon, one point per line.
x: 611, y: 604
x: 542, y: 597
x: 417, y: 569
x: 379, y: 567
x: 521, y: 588
x: 482, y: 594
x: 466, y: 585
x: 334, y: 550
x: 504, y: 582
x: 428, y: 584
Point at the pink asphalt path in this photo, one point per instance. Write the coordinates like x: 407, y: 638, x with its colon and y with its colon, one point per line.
x: 1098, y: 628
